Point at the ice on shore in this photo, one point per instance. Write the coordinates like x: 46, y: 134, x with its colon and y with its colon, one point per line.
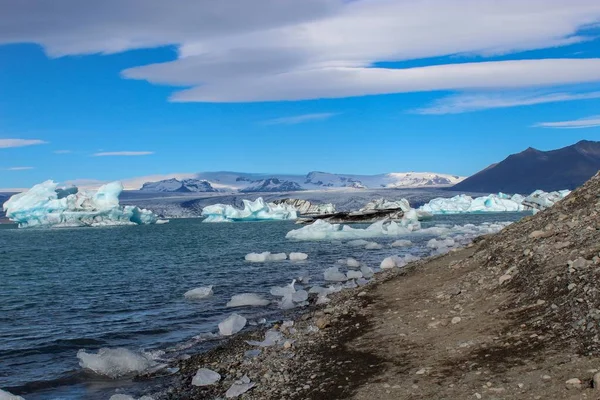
x: 47, y: 205
x: 538, y: 200
x: 205, y: 377
x: 256, y: 210
x: 123, y: 397
x: 232, y: 325
x: 265, y: 257
x: 239, y: 387
x: 115, y: 363
x: 352, y: 262
x: 199, y: 293
x: 298, y: 256
x: 9, y: 396
x: 289, y: 295
x: 367, y: 272
x: 247, y: 299
x: 397, y: 261
x: 333, y: 274
x: 354, y: 274
x: 272, y: 337
x: 322, y: 230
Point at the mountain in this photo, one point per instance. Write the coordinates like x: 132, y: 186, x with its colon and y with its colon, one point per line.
x: 183, y: 186
x: 252, y: 182
x: 532, y: 169
x: 272, y: 185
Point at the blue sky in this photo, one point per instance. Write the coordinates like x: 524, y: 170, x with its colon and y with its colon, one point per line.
x: 323, y: 85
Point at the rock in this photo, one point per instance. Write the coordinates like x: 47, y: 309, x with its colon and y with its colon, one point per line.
x: 422, y: 371
x: 456, y: 320
x: 205, y: 377
x: 546, y: 377
x: 596, y: 381
x: 540, y: 234
x: 574, y: 383
x: 504, y: 278
x: 323, y: 323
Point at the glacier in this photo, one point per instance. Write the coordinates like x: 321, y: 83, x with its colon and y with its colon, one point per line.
x: 537, y: 201
x: 47, y: 205
x: 256, y: 210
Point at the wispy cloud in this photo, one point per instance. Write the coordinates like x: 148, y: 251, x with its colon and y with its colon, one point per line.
x: 8, y: 143
x: 463, y: 103
x: 122, y: 153
x: 589, y: 122
x: 19, y: 168
x: 62, y: 151
x: 299, y: 119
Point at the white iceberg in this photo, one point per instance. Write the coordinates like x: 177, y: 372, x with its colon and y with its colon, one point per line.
x: 247, y: 299
x: 383, y: 204
x: 232, y: 325
x: 401, y: 243
x: 116, y: 362
x: 205, y: 377
x: 199, y: 293
x: 540, y: 200
x: 9, y: 396
x: 265, y: 257
x: 256, y: 210
x: 333, y: 274
x: 373, y: 246
x: 47, y: 205
x: 367, y: 272
x: 298, y: 256
x: 358, y: 243
x: 289, y: 295
x: 351, y: 262
x: 272, y: 338
x: 354, y: 274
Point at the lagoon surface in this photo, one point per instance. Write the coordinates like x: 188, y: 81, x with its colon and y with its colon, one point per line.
x: 62, y: 290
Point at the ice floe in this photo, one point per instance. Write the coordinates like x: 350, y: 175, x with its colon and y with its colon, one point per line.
x: 265, y: 257
x: 117, y: 362
x: 256, y: 210
x: 298, y: 256
x: 373, y: 246
x: 199, y: 293
x: 247, y: 299
x: 290, y: 297
x: 47, y: 205
x: 354, y: 274
x: 333, y: 274
x: 232, y: 325
x: 205, y: 377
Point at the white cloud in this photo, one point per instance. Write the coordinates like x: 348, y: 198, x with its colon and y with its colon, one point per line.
x: 462, y: 103
x: 122, y: 153
x: 240, y: 51
x: 62, y: 151
x: 589, y: 122
x: 8, y: 143
x: 298, y: 119
x: 19, y: 168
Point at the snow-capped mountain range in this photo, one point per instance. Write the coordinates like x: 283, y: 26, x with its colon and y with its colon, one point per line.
x: 252, y: 182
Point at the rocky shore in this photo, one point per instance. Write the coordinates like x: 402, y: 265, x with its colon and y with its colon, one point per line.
x: 514, y: 315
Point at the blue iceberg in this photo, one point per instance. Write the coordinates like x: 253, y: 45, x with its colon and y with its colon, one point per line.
x: 256, y: 210
x: 47, y: 205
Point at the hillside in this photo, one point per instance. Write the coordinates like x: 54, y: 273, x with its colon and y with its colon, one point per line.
x: 532, y: 169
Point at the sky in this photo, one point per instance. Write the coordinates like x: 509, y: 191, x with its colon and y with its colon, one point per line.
x: 119, y: 89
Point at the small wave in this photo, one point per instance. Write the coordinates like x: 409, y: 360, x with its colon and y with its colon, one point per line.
x: 54, y: 347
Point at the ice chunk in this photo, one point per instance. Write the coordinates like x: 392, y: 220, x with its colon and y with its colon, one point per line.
x: 354, y: 274
x: 47, y: 205
x: 334, y: 274
x: 322, y: 230
x: 298, y: 256
x: 300, y: 296
x: 373, y: 246
x: 122, y: 397
x: 401, y: 243
x: 388, y: 262
x: 239, y: 387
x: 199, y: 293
x: 252, y: 353
x: 9, y: 396
x: 115, y: 363
x: 272, y: 338
x: 383, y: 204
x: 232, y: 325
x: 350, y: 284
x: 361, y: 281
x: 358, y: 243
x: 284, y: 290
x: 352, y: 263
x: 205, y: 377
x: 367, y: 272
x: 247, y: 299
x: 256, y: 210
x: 266, y: 256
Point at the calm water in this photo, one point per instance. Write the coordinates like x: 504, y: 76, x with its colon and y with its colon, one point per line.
x: 62, y: 290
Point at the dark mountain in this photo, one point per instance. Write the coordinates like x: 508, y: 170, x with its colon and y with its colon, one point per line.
x: 532, y: 169
x: 272, y: 185
x: 175, y: 185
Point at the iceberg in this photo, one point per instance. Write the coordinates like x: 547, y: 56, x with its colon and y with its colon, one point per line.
x: 256, y: 210
x: 199, y: 293
x: 264, y: 257
x: 47, y: 205
x: 232, y: 325
x: 538, y: 200
x: 115, y: 363
x: 383, y: 204
x: 298, y: 256
x: 247, y: 299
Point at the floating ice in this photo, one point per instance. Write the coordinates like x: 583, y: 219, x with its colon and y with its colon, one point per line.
x: 116, y: 362
x: 247, y: 299
x: 298, y: 256
x: 322, y: 230
x: 266, y: 256
x: 367, y: 272
x: 199, y: 293
x: 401, y: 243
x: 361, y: 282
x: 333, y: 274
x: 121, y: 397
x: 46, y: 205
x: 354, y: 274
x: 289, y: 295
x: 205, y: 377
x: 396, y: 261
x: 388, y: 263
x: 232, y: 325
x: 9, y: 396
x: 358, y: 243
x: 239, y: 387
x: 300, y: 296
x: 256, y: 210
x: 352, y: 262
x: 538, y: 200
x: 272, y: 338
x: 284, y: 290
x: 373, y: 246
x: 351, y: 284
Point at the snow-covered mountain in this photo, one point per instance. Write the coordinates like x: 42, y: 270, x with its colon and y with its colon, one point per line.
x: 182, y: 186
x: 251, y: 182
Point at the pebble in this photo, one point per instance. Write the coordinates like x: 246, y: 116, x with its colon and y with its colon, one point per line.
x: 323, y: 323
x: 456, y: 320
x: 504, y: 278
x: 574, y: 383
x: 596, y: 381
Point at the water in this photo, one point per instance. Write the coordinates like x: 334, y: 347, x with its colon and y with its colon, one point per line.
x: 62, y: 290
